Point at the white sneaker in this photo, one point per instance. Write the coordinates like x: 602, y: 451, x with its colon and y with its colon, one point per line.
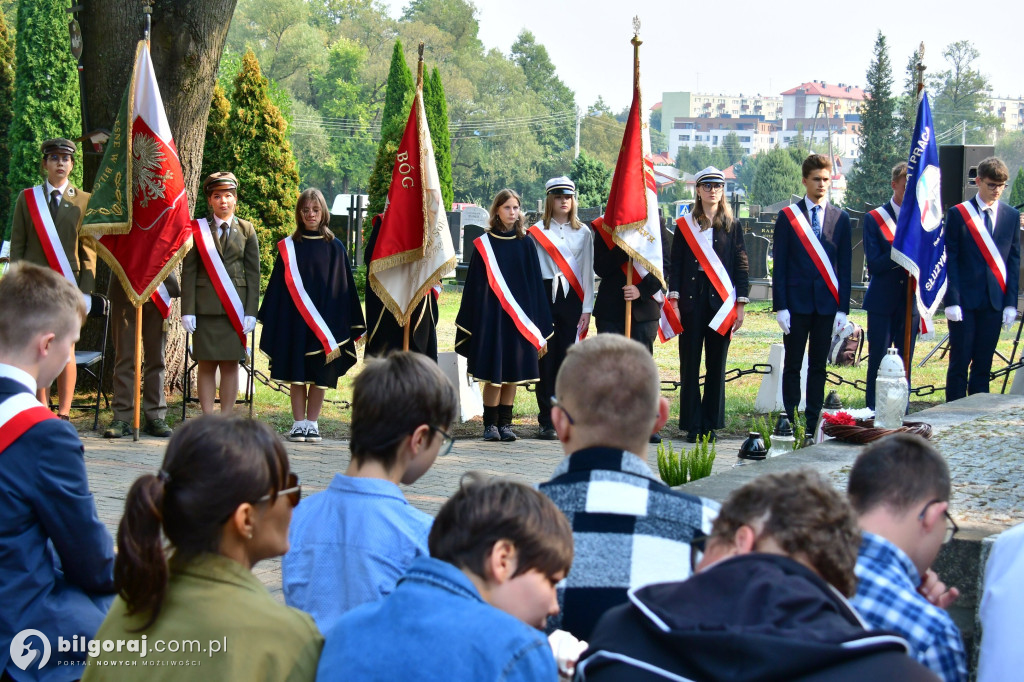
x: 298, y: 433
x: 312, y: 432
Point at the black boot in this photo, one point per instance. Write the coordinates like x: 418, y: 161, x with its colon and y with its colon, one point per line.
x: 505, y: 423
x: 491, y: 423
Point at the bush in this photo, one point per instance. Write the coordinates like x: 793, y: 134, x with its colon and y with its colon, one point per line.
x: 688, y: 465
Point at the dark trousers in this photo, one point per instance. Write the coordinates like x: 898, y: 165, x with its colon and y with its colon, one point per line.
x: 642, y: 332
x: 814, y: 332
x: 154, y: 339
x: 699, y: 416
x: 886, y: 330
x: 971, y: 345
x: 565, y: 312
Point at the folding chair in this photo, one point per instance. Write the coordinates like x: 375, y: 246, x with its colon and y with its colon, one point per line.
x: 247, y: 367
x: 86, y: 360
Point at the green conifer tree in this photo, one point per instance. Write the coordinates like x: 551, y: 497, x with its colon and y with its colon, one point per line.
x: 776, y: 178
x: 261, y: 158
x: 1017, y: 192
x: 46, y: 101
x: 397, y: 100
x: 217, y: 145
x: 437, y: 119
x: 6, y: 97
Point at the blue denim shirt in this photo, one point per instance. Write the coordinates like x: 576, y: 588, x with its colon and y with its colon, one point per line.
x: 349, y: 545
x: 435, y: 626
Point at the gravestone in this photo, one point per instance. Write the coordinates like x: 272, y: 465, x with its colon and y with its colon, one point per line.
x: 757, y: 255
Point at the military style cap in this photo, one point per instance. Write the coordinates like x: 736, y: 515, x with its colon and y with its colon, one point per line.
x: 220, y: 180
x: 710, y: 174
x: 560, y: 185
x: 59, y: 145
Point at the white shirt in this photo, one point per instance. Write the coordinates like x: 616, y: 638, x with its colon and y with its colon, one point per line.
x: 581, y: 243
x: 1002, y: 657
x: 892, y: 202
x: 223, y: 226
x: 19, y: 375
x: 821, y: 205
x: 982, y: 207
x: 49, y: 190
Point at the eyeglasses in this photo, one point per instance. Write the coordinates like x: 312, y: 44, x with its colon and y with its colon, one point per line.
x: 293, y: 490
x: 951, y: 527
x: 555, y: 403
x: 994, y: 186
x: 447, y: 441
x: 711, y: 186
x: 310, y: 210
x: 59, y: 157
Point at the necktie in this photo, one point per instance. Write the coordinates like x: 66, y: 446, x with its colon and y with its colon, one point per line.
x: 54, y: 202
x: 988, y: 219
x: 815, y: 223
x: 223, y: 236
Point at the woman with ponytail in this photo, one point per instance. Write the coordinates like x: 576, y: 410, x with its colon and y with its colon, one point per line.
x: 190, y: 536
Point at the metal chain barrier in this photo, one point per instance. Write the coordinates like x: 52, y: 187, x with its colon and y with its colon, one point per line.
x: 732, y: 375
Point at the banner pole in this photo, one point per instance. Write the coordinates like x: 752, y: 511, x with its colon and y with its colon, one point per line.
x: 405, y: 334
x: 138, y: 368
x: 908, y: 330
x: 629, y: 303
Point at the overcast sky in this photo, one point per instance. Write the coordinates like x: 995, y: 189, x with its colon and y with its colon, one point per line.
x: 748, y: 47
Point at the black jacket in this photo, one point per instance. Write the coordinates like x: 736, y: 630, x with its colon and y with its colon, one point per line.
x: 754, y: 617
x: 730, y: 249
x: 609, y: 303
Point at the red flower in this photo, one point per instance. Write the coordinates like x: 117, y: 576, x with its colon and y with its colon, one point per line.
x: 839, y: 418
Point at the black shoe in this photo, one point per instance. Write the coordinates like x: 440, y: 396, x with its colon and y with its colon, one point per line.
x: 691, y: 437
x: 118, y: 429
x: 507, y: 434
x: 655, y: 438
x: 297, y: 434
x: 547, y: 433
x: 64, y: 417
x: 158, y: 428
x: 312, y: 433
x: 491, y: 433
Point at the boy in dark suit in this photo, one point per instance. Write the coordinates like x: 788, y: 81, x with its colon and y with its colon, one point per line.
x: 810, y: 284
x: 64, y: 208
x: 886, y: 298
x: 56, y: 557
x: 982, y: 276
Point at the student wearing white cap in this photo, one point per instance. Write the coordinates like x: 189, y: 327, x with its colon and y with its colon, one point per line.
x: 565, y: 248
x: 708, y: 285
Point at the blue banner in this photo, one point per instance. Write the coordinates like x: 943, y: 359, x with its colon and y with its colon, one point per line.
x: 920, y: 241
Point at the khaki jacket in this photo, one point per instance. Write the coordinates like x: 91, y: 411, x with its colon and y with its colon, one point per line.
x: 25, y: 244
x: 241, y: 258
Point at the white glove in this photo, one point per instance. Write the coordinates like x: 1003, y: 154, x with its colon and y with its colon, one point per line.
x: 782, y: 317
x: 954, y: 314
x: 248, y: 324
x: 189, y: 323
x: 567, y: 650
x: 88, y: 304
x: 840, y: 322
x: 1009, y: 316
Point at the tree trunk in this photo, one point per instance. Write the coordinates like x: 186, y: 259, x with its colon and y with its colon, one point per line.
x: 186, y: 43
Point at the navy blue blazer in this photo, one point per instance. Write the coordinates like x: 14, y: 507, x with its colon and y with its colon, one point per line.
x: 56, y: 557
x: 887, y: 289
x: 797, y: 286
x: 970, y: 283
x: 685, y: 266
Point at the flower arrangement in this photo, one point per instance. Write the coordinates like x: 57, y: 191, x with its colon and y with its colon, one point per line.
x: 839, y: 418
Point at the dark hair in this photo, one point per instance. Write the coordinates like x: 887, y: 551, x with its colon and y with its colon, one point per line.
x: 805, y: 515
x: 500, y: 199
x: 993, y: 168
x: 482, y: 512
x: 212, y: 465
x: 899, y: 171
x: 391, y: 397
x: 37, y: 300
x: 898, y: 471
x: 313, y: 196
x: 816, y: 162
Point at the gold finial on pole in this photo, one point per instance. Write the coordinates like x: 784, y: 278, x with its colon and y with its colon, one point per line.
x: 636, y: 50
x: 419, y: 68
x: 920, y: 69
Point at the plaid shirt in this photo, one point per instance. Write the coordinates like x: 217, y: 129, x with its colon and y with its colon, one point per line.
x: 629, y: 530
x: 887, y: 598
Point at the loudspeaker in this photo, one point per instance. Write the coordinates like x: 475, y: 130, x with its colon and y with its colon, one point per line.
x: 959, y: 167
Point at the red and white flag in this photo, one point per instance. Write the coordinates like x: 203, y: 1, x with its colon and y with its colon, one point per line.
x: 138, y: 216
x: 414, y: 246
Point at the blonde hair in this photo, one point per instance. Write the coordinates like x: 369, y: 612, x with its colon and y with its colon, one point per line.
x: 313, y: 196
x: 495, y: 221
x: 549, y: 211
x: 723, y: 216
x: 37, y: 300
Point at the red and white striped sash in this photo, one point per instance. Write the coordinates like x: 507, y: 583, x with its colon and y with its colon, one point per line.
x: 508, y: 302
x: 885, y: 222
x: 561, y: 255
x: 302, y: 301
x: 976, y: 226
x: 18, y: 414
x: 162, y: 300
x: 669, y: 326
x: 222, y: 283
x: 715, y: 270
x: 436, y: 290
x: 813, y: 247
x: 39, y: 211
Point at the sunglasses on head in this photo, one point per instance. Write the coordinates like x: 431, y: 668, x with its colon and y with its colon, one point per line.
x: 292, y: 490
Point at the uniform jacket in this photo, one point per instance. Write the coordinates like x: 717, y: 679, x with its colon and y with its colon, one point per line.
x: 609, y: 303
x: 969, y: 281
x: 25, y: 243
x: 684, y: 271
x: 797, y: 286
x: 241, y: 260
x: 887, y: 289
x: 56, y: 557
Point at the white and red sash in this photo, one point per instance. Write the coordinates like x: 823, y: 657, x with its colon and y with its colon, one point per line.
x: 222, y: 284
x: 302, y: 301
x: 162, y: 300
x: 436, y: 290
x: 669, y: 326
x: 885, y: 222
x: 18, y: 414
x: 508, y: 302
x: 976, y: 226
x: 715, y: 270
x: 562, y: 256
x: 813, y: 247
x: 38, y: 209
